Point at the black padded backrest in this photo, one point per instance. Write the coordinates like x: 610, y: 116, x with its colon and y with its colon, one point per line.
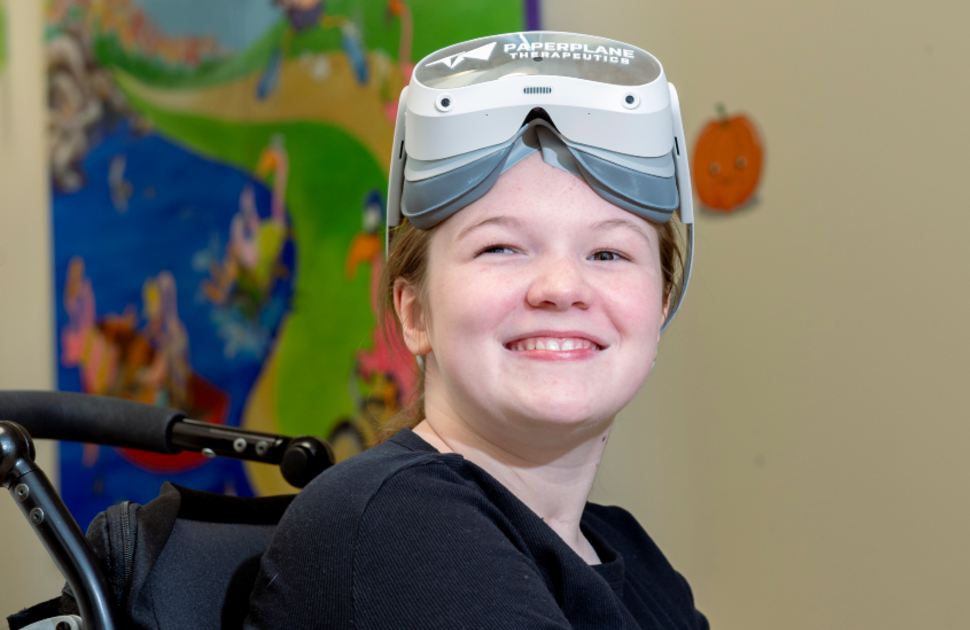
x: 203, y: 577
x: 187, y: 560
x: 195, y: 558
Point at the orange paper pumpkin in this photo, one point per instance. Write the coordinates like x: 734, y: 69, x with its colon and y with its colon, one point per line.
x: 727, y: 162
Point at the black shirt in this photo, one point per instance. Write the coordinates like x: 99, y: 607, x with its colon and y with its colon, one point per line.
x: 402, y: 536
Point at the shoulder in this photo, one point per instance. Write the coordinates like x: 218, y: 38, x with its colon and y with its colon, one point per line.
x: 362, y: 524
x: 396, y: 470
x: 399, y: 488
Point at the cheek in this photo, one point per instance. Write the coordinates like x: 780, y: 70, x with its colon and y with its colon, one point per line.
x: 472, y: 302
x: 635, y: 306
x: 640, y: 319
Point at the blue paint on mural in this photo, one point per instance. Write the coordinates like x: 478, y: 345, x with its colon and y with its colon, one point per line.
x: 161, y: 210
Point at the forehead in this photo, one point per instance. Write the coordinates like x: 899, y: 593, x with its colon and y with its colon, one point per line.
x: 534, y: 194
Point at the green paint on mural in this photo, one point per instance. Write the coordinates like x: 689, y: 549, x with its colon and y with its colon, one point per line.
x: 331, y: 317
x: 153, y: 71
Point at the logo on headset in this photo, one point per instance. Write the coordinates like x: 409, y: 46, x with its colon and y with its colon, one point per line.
x: 563, y: 50
x: 481, y: 53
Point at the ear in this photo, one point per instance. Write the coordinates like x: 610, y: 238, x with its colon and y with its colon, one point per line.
x: 409, y: 310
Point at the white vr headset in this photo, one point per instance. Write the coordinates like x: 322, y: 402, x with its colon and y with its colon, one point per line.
x: 600, y: 109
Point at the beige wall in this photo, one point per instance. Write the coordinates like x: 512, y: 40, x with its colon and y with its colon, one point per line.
x: 27, y: 575
x: 801, y: 451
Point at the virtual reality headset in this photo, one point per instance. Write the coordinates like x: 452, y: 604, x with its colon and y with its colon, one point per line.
x: 600, y: 109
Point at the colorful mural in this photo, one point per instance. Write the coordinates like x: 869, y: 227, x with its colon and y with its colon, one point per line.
x: 218, y: 205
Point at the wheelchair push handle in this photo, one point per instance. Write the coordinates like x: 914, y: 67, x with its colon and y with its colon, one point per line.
x: 128, y: 424
x: 95, y: 419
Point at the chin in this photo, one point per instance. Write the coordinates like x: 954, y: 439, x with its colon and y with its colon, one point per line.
x: 567, y: 413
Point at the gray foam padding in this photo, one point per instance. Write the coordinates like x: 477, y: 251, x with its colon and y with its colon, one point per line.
x: 428, y: 202
x: 435, y: 190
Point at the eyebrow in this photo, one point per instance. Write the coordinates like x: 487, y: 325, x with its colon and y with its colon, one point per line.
x: 499, y: 220
x: 624, y: 223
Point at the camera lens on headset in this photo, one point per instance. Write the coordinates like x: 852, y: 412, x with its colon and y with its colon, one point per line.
x: 444, y: 103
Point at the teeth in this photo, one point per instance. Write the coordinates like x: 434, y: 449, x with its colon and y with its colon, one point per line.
x: 552, y: 344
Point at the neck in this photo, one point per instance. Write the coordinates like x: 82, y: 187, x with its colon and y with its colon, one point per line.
x: 554, y: 482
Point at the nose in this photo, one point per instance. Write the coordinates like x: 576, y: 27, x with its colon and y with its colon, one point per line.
x: 559, y: 284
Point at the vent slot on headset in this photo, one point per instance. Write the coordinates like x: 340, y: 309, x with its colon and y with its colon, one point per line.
x: 537, y: 90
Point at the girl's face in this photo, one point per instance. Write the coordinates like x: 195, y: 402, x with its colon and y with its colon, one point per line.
x: 543, y: 305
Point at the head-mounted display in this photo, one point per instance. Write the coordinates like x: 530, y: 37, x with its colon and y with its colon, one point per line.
x: 600, y: 109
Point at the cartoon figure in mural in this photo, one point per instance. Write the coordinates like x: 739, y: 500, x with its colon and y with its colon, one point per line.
x: 251, y: 266
x: 167, y: 377
x: 170, y: 371
x: 83, y: 343
x: 72, y: 110
x: 382, y: 375
x: 301, y: 16
x: 150, y: 364
x: 81, y: 96
x: 114, y: 357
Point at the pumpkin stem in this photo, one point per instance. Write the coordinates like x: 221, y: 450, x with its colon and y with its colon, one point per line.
x: 722, y: 112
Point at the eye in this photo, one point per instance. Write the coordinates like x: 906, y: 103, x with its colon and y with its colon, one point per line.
x: 714, y: 168
x: 495, y: 249
x: 740, y: 162
x: 606, y: 255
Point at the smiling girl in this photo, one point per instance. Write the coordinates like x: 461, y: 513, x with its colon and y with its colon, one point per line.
x: 533, y: 282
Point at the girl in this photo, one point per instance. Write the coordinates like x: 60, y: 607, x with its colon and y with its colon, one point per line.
x: 533, y: 282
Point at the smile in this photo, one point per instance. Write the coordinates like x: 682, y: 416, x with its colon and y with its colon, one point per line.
x: 553, y: 344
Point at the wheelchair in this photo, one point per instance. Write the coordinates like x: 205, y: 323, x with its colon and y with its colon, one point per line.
x: 187, y: 559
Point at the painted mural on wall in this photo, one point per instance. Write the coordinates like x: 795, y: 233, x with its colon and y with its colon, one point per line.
x: 218, y: 207
x: 728, y: 162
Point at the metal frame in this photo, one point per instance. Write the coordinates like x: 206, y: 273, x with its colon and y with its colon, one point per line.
x: 80, y: 417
